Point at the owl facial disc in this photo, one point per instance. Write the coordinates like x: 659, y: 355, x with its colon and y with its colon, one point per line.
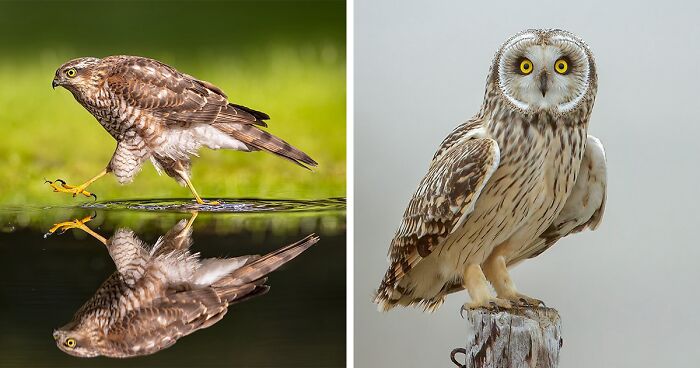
x: 544, y: 70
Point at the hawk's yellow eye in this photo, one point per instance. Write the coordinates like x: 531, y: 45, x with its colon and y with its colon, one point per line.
x: 70, y: 342
x: 561, y: 66
x: 71, y: 72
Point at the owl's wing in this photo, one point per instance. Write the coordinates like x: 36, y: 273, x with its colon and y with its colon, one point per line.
x: 177, y: 98
x: 583, y: 209
x: 444, y: 199
x: 129, y: 254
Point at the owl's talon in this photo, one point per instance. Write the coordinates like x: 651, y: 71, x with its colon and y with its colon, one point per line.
x: 494, y: 305
x: 524, y: 300
x: 94, y: 196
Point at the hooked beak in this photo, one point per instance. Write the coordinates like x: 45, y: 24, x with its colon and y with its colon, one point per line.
x: 54, y: 83
x: 543, y: 83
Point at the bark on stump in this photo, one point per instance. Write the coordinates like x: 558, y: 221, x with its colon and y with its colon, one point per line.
x: 518, y: 338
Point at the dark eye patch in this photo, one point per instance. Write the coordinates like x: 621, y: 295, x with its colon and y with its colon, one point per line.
x: 516, y: 64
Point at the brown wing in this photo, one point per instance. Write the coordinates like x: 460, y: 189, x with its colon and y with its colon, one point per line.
x: 445, y: 197
x: 177, y: 98
x: 149, y: 330
x: 181, y: 100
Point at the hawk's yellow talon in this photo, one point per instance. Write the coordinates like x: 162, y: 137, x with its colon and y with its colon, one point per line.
x: 59, y: 185
x: 76, y: 224
x: 72, y: 189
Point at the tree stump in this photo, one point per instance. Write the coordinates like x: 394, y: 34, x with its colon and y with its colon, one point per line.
x: 518, y: 338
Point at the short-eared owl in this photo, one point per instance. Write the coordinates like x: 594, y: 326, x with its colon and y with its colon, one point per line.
x: 155, y: 112
x: 507, y: 184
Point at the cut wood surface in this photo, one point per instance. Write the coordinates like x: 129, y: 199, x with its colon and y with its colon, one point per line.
x: 525, y: 337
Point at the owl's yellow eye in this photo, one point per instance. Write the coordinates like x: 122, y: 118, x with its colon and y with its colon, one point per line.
x: 70, y: 342
x: 526, y: 66
x: 71, y: 72
x: 561, y: 66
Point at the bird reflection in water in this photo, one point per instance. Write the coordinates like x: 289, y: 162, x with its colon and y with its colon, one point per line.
x: 161, y: 293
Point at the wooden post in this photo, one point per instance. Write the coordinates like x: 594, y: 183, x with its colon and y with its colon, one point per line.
x: 518, y: 338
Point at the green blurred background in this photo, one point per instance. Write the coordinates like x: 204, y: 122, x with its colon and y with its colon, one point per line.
x: 284, y: 58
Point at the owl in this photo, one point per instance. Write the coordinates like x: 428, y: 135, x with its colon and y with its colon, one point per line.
x: 507, y: 184
x: 157, y: 113
x: 159, y: 294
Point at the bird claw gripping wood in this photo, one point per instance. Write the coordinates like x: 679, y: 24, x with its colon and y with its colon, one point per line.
x: 529, y: 304
x: 66, y: 188
x: 67, y: 225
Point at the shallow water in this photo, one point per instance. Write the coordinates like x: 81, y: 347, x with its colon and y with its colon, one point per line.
x: 299, y: 322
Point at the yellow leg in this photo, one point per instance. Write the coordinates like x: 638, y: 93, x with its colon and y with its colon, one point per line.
x: 75, y: 190
x: 194, y: 191
x: 77, y: 224
x: 191, y: 220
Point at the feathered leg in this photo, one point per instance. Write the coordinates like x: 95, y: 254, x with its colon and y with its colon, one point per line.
x: 180, y: 171
x: 478, y: 289
x: 496, y: 272
x: 125, y: 163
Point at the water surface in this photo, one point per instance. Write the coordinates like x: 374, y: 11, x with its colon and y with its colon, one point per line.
x: 299, y: 322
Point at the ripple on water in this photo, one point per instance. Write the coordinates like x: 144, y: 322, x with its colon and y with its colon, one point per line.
x: 225, y: 205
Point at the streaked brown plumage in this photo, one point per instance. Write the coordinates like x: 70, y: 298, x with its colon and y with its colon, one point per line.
x: 507, y: 184
x: 155, y: 112
x: 160, y: 294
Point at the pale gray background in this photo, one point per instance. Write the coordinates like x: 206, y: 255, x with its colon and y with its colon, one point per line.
x: 627, y: 293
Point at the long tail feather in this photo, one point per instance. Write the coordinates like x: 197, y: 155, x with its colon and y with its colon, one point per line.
x: 260, y: 139
x: 262, y: 266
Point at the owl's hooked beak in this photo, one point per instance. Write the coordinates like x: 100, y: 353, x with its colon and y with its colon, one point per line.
x: 54, y: 83
x: 543, y: 83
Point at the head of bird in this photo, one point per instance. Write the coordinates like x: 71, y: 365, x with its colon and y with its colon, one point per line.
x: 76, y: 74
x: 74, y: 342
x: 545, y: 70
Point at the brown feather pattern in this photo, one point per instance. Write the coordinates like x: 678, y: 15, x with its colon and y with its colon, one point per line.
x: 160, y: 113
x: 161, y: 294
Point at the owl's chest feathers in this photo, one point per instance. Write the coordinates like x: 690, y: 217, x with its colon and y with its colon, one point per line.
x: 537, y: 171
x: 547, y: 155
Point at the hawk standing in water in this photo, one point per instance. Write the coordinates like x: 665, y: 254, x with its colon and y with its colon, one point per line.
x: 155, y: 112
x: 507, y: 184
